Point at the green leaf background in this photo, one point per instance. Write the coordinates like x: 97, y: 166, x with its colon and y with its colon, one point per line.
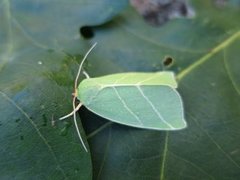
x: 40, y: 49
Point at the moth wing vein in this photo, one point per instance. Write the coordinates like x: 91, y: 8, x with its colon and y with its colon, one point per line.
x: 153, y: 107
x: 147, y: 79
x: 126, y: 107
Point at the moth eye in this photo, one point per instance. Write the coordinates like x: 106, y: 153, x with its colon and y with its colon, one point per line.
x: 87, y: 32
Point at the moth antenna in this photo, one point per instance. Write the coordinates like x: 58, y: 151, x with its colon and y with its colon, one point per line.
x: 75, y: 95
x: 81, y: 64
x: 75, y: 109
x: 75, y: 122
x: 71, y: 113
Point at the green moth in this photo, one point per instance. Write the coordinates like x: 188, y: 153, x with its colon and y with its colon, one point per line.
x: 142, y: 100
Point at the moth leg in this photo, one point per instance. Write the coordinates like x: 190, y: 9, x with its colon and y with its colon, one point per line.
x: 86, y: 74
x: 71, y: 113
x: 75, y: 122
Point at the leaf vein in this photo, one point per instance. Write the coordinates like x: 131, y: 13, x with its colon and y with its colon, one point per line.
x: 192, y: 164
x: 206, y: 57
x: 216, y: 144
x: 101, y: 128
x: 105, y: 154
x: 165, y: 150
x: 229, y: 73
x: 36, y: 128
x: 141, y: 37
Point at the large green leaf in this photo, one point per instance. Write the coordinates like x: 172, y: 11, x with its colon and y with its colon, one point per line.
x: 36, y: 76
x: 206, y: 56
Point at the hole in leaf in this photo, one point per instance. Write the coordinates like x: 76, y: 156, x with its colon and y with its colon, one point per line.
x: 168, y: 61
x: 44, y: 120
x: 87, y: 32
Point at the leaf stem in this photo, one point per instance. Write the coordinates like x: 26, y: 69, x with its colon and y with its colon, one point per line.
x: 215, y: 50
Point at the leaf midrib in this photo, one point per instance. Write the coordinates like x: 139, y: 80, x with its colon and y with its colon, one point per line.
x: 206, y: 57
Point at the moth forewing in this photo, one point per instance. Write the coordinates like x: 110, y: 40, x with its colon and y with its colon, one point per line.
x: 141, y: 100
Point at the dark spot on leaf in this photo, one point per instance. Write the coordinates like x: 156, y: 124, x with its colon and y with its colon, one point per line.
x: 50, y: 50
x: 21, y: 137
x: 44, y: 120
x: 17, y: 120
x: 76, y: 170
x: 168, y: 61
x: 87, y: 32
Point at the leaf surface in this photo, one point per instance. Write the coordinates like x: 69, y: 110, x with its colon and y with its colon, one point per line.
x: 38, y: 44
x: 205, y: 50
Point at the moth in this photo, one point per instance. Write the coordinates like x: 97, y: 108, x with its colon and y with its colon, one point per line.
x: 137, y: 99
